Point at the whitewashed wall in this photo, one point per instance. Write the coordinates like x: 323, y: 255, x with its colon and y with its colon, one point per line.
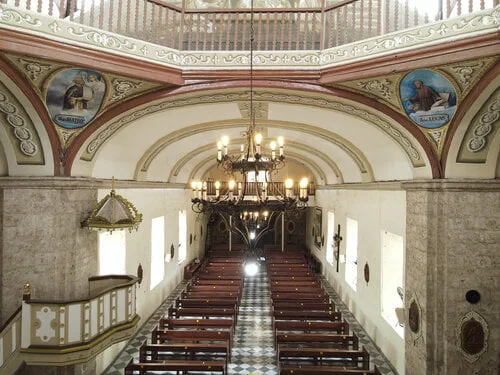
x: 374, y: 211
x: 153, y: 203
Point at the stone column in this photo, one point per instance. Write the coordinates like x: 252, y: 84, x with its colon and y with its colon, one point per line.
x: 42, y: 241
x: 452, y: 247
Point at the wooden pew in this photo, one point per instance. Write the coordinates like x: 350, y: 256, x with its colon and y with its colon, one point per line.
x: 293, y: 278
x: 175, y: 365
x: 208, y: 302
x: 289, y: 273
x: 225, y: 262
x: 301, y: 283
x: 293, y: 296
x: 194, y: 351
x: 323, y: 370
x: 218, y: 295
x: 169, y: 323
x: 193, y: 335
x: 288, y: 266
x: 203, y: 312
x: 217, y: 282
x: 318, y: 339
x: 296, y: 305
x: 191, y: 268
x: 330, y: 316
x: 339, y: 357
x: 297, y: 259
x: 213, y: 288
x: 216, y: 276
x: 296, y: 289
x: 308, y: 327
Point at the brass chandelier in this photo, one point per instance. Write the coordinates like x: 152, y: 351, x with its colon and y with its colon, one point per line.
x: 249, y: 207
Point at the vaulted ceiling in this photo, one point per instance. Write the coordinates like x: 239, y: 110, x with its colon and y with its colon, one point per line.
x: 348, y: 125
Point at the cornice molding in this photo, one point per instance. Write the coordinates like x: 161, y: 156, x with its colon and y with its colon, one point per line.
x: 380, y: 185
x: 427, y: 35
x: 452, y: 185
x: 73, y: 183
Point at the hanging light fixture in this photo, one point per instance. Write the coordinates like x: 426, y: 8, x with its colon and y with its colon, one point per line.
x: 248, y: 208
x: 113, y: 212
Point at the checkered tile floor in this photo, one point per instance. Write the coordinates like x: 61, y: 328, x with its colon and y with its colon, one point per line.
x: 253, y: 352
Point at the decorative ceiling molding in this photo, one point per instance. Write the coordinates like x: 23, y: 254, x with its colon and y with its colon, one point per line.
x: 468, y: 73
x: 210, y: 162
x: 289, y: 145
x: 21, y: 131
x: 477, y: 139
x: 430, y: 34
x: 384, y: 89
x: 278, y: 96
x: 40, y: 72
x: 260, y: 109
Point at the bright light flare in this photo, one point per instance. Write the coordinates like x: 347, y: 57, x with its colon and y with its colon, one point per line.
x: 251, y: 269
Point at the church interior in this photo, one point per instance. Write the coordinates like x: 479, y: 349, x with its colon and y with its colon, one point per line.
x: 249, y: 187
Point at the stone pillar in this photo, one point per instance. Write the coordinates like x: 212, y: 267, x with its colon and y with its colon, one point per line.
x: 452, y: 247
x: 42, y: 241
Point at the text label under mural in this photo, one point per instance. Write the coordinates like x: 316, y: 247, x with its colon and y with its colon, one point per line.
x: 74, y: 96
x: 429, y: 99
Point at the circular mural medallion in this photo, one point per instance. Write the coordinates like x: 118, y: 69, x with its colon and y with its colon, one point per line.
x: 429, y: 99
x: 74, y: 96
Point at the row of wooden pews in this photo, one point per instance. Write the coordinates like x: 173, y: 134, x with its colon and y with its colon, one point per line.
x: 311, y: 338
x: 197, y: 334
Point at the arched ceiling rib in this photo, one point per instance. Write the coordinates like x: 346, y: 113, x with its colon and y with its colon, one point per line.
x: 28, y: 147
x: 161, y: 145
x: 474, y: 149
x: 290, y: 145
x: 201, y: 168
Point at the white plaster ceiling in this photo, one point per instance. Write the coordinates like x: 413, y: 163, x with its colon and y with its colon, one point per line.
x: 322, y: 139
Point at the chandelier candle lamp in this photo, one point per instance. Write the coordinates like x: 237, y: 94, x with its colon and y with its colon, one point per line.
x: 250, y: 199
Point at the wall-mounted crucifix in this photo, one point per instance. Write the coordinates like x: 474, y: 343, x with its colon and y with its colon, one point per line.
x: 336, y: 242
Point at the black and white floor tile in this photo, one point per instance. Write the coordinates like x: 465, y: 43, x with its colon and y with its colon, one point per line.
x: 253, y: 352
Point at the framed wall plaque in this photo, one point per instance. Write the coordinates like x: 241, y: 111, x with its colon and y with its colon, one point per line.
x: 367, y: 272
x: 472, y: 336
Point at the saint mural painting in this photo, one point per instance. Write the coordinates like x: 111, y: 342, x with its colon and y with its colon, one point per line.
x: 428, y: 98
x: 74, y: 96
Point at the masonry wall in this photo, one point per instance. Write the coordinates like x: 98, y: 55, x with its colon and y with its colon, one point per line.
x: 453, y: 237
x: 375, y: 211
x: 42, y: 242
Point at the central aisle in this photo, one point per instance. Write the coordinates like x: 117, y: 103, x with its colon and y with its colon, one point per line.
x: 253, y: 351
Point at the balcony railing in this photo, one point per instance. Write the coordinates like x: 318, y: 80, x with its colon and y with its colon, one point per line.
x: 10, y: 342
x: 185, y: 29
x: 67, y: 332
